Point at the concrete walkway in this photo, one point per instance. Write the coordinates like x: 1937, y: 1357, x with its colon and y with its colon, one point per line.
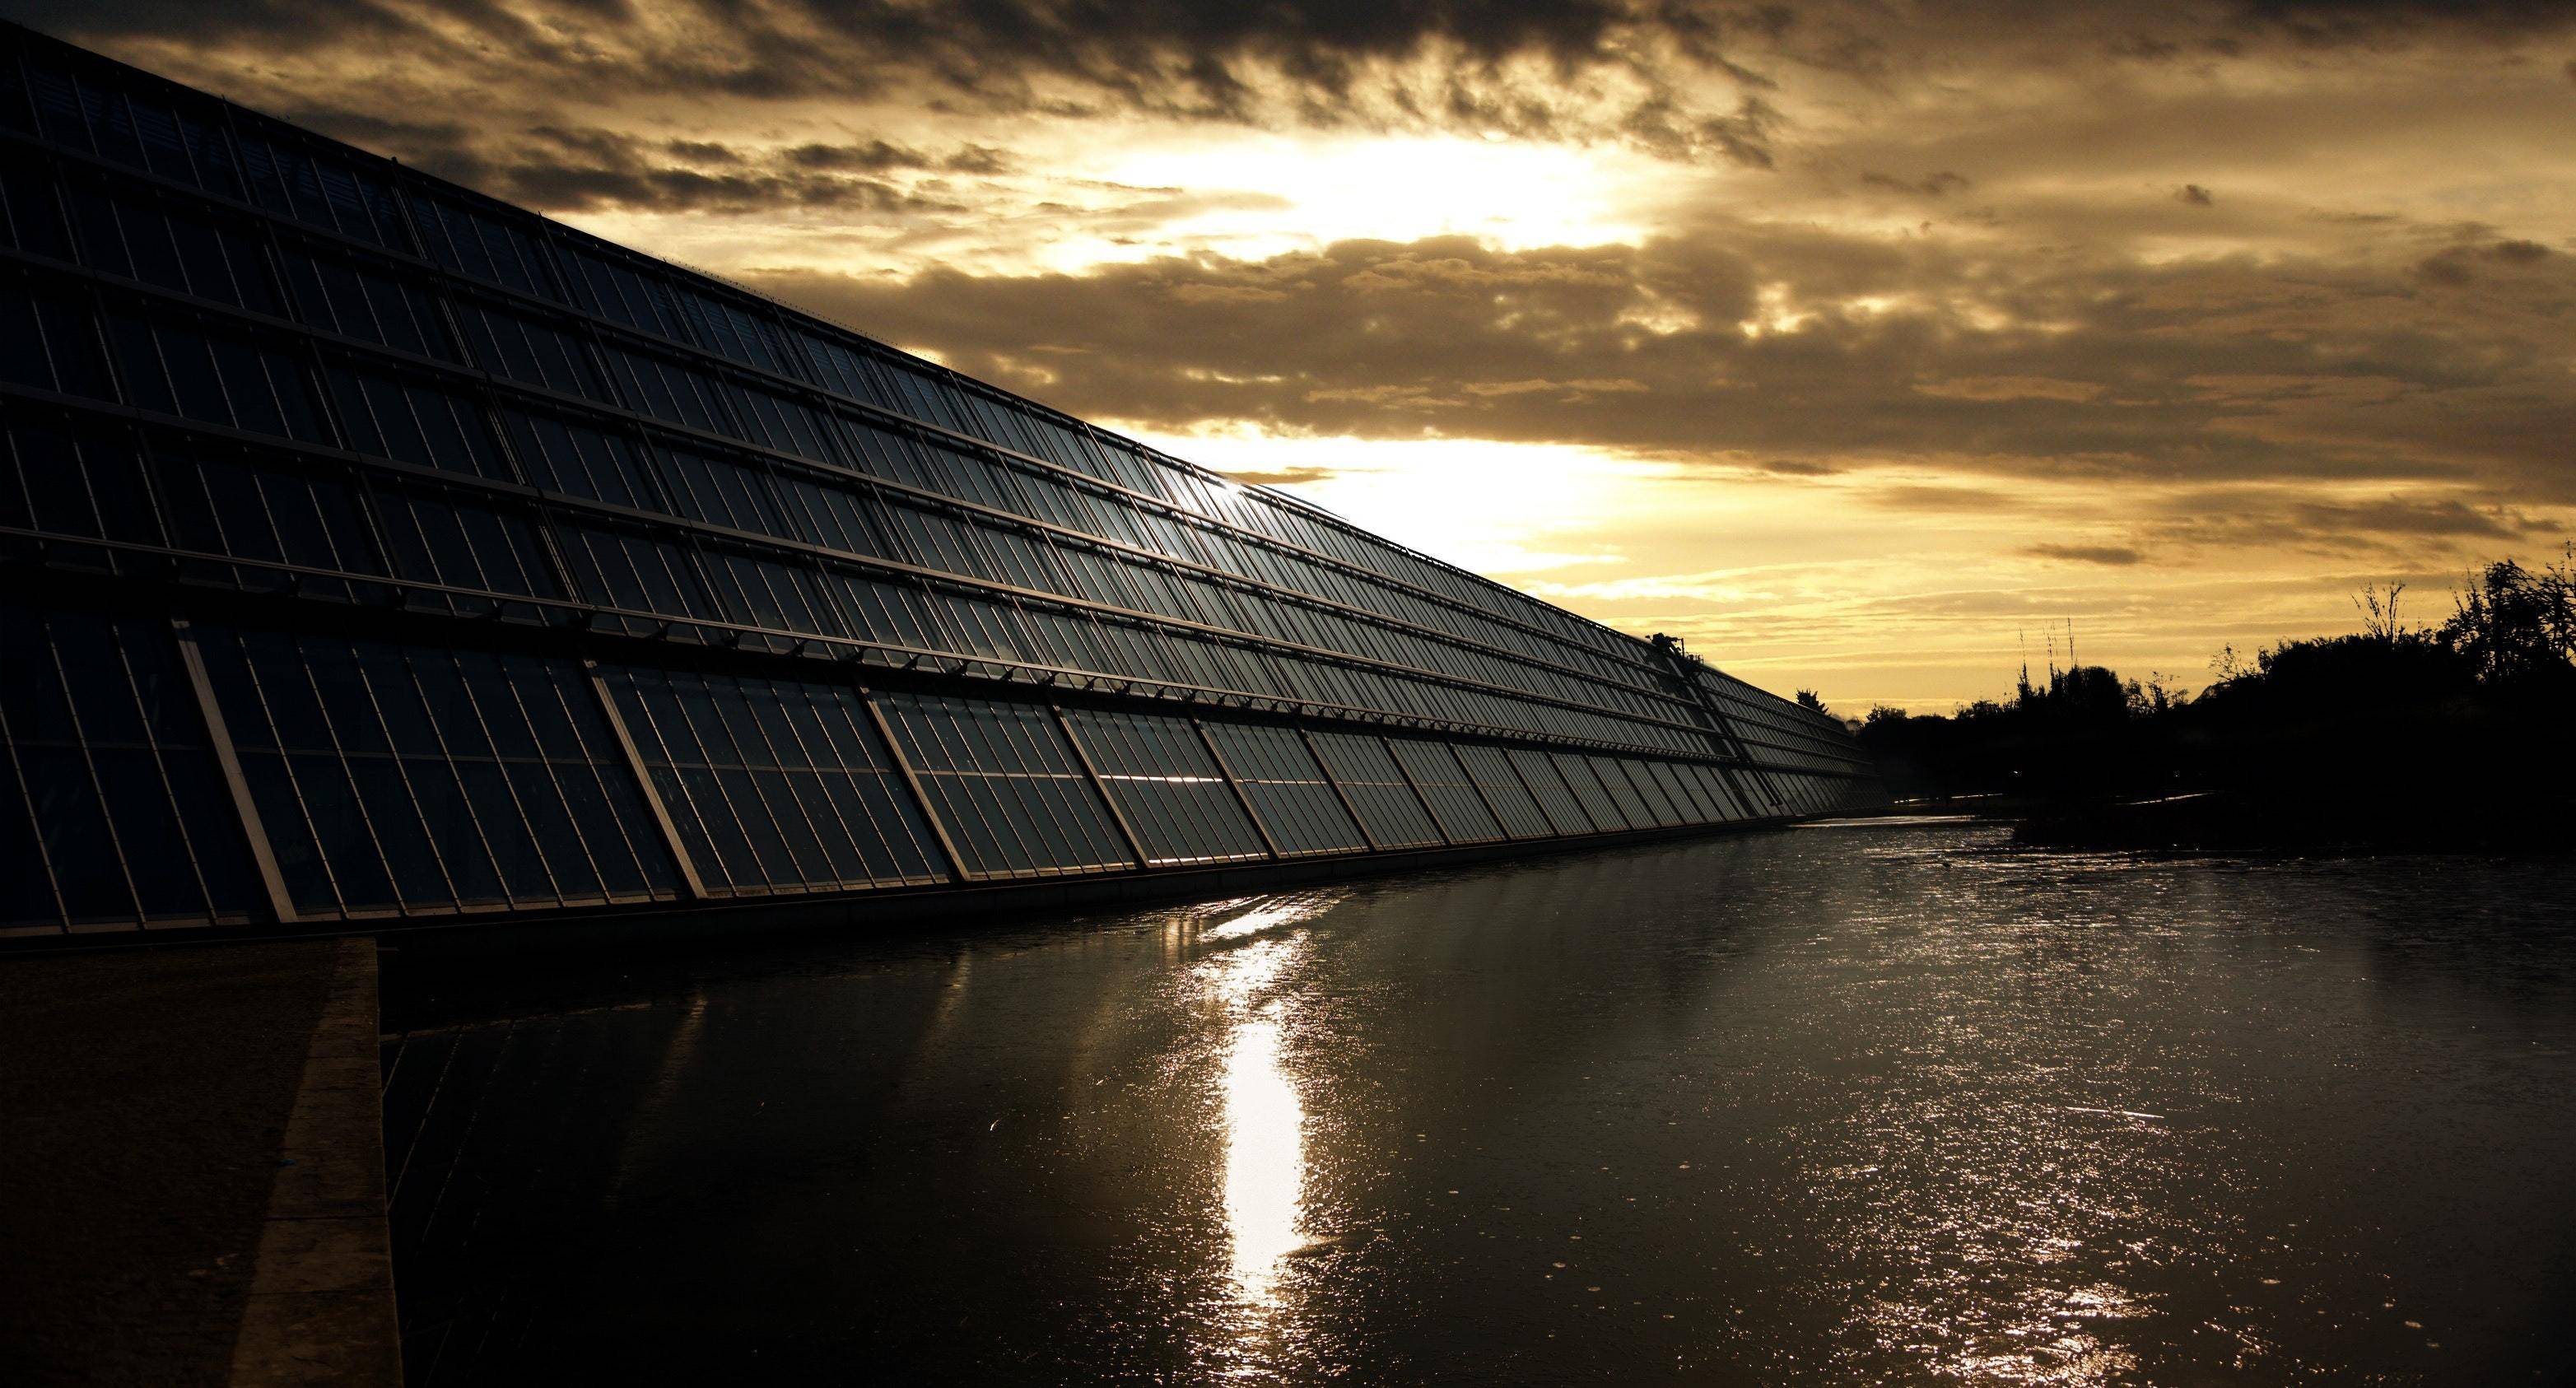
x: 192, y: 1141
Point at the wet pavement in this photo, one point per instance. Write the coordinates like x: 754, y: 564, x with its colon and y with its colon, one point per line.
x: 1830, y: 1105
x: 145, y: 1096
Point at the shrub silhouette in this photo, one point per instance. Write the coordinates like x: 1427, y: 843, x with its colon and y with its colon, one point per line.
x: 2458, y: 735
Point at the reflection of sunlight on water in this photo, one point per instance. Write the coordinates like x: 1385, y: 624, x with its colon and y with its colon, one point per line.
x: 1265, y: 1163
x: 1265, y: 1158
x: 1267, y: 914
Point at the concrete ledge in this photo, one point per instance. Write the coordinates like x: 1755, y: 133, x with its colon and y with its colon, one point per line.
x: 321, y: 1304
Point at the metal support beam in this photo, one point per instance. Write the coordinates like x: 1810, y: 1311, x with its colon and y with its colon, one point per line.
x: 912, y: 782
x: 1502, y: 827
x: 691, y: 886
x: 1541, y: 801
x: 1405, y: 774
x: 1232, y: 784
x: 1721, y: 728
x: 1338, y: 793
x: 1082, y: 755
x: 281, y: 907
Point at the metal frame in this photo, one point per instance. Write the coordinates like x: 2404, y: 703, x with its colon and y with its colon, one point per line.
x: 1082, y: 754
x: 281, y: 907
x: 1235, y: 783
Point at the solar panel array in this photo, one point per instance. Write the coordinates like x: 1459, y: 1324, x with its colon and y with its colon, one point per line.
x: 376, y: 549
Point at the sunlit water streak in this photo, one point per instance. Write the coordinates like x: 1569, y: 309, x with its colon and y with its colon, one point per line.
x: 1265, y: 1158
x: 1264, y: 1120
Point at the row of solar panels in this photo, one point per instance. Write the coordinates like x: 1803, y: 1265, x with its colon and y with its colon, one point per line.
x: 161, y: 773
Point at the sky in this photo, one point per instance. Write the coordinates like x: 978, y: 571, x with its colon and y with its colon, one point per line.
x: 1872, y: 347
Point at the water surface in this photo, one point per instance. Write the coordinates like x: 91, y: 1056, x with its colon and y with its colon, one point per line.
x: 1831, y: 1105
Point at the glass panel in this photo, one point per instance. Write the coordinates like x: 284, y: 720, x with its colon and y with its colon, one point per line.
x: 1171, y: 791
x: 432, y: 779
x: 1006, y: 784
x: 1378, y: 789
x: 1435, y: 772
x: 1504, y: 790
x: 786, y: 782
x: 105, y: 797
x: 1287, y: 789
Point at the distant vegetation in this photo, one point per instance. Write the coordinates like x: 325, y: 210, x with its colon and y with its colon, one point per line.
x: 2458, y: 736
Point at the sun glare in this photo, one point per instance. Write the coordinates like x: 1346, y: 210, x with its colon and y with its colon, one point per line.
x: 1494, y: 508
x: 1511, y: 193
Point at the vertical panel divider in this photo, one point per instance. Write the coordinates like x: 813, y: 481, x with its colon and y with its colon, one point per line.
x: 1637, y: 778
x: 1236, y: 786
x: 1530, y: 789
x: 1082, y: 754
x: 1340, y: 794
x: 912, y: 782
x: 1502, y: 826
x: 690, y: 883
x: 281, y: 907
x: 1405, y: 774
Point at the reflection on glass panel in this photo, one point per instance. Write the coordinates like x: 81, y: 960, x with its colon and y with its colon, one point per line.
x: 416, y: 422
x: 222, y: 501
x: 1287, y: 789
x: 1604, y: 791
x: 1679, y: 793
x: 112, y: 812
x: 1504, y: 790
x: 1377, y: 789
x: 1642, y: 786
x: 446, y: 538
x: 405, y: 779
x: 1006, y: 784
x: 1455, y: 801
x: 1538, y: 771
x: 775, y: 785
x: 1172, y: 792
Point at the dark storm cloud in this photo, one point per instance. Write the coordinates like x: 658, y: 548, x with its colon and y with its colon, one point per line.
x: 873, y: 156
x: 2173, y: 372
x: 2459, y: 264
x: 1521, y: 67
x: 581, y: 169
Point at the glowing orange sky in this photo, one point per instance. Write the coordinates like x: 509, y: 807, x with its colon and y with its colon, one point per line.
x: 1861, y: 347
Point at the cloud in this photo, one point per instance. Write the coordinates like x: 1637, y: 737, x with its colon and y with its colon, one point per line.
x: 875, y: 156
x: 2457, y: 264
x: 1684, y: 79
x: 2115, y: 555
x: 557, y: 168
x: 1936, y: 300
x: 1942, y: 497
x: 1937, y: 185
x: 1804, y: 346
x: 2397, y: 516
x: 2010, y: 388
x: 1283, y: 477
